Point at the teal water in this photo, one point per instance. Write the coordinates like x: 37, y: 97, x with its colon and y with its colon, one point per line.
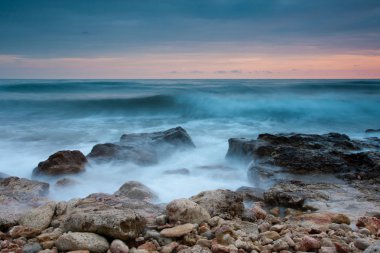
x: 39, y: 117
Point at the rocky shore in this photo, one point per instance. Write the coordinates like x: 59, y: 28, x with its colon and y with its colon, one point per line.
x: 295, y: 214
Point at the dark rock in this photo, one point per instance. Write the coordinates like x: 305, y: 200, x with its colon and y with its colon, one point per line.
x: 135, y: 190
x: 143, y: 148
x: 356, y: 161
x: 65, y: 182
x: 372, y: 130
x: 62, y: 163
x: 111, y: 151
x: 224, y: 203
x: 296, y: 152
x: 251, y: 193
x: 172, y: 138
x: 177, y: 172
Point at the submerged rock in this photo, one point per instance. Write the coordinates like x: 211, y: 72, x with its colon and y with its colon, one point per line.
x: 111, y: 151
x: 143, y: 148
x: 62, y: 163
x: 177, y: 172
x: 223, y: 203
x: 172, y: 138
x: 370, y: 130
x: 66, y: 182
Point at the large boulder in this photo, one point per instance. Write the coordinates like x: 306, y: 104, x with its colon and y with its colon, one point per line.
x: 112, y: 151
x: 62, y: 163
x: 91, y: 215
x: 223, y: 203
x: 143, y: 148
x: 40, y: 217
x: 135, y: 190
x: 172, y: 138
x: 18, y: 196
x: 186, y: 211
x: 357, y: 161
x: 82, y: 241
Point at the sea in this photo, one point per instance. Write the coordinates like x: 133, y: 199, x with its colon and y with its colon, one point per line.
x: 40, y: 117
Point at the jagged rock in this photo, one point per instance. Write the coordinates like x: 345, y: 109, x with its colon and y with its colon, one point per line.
x: 135, y: 190
x: 62, y: 163
x: 300, y: 152
x: 143, y: 148
x: 111, y: 151
x: 185, y: 210
x: 172, y: 138
x: 40, y: 217
x: 223, y: 203
x: 82, y: 241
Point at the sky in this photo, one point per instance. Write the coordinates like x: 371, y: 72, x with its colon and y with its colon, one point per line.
x: 189, y: 39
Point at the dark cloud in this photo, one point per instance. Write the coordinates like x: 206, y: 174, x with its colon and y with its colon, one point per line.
x: 47, y: 28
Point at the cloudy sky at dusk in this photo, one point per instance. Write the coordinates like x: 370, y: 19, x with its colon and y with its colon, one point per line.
x: 190, y: 39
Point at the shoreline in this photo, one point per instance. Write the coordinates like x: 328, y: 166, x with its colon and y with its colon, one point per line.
x: 292, y: 215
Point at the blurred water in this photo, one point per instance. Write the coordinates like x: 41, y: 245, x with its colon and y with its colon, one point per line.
x: 39, y: 117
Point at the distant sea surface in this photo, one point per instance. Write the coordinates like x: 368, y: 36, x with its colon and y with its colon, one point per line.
x: 39, y: 117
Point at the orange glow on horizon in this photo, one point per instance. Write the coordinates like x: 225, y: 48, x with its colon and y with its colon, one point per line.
x: 196, y: 66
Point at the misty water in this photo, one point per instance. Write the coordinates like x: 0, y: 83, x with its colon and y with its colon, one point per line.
x: 40, y: 117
